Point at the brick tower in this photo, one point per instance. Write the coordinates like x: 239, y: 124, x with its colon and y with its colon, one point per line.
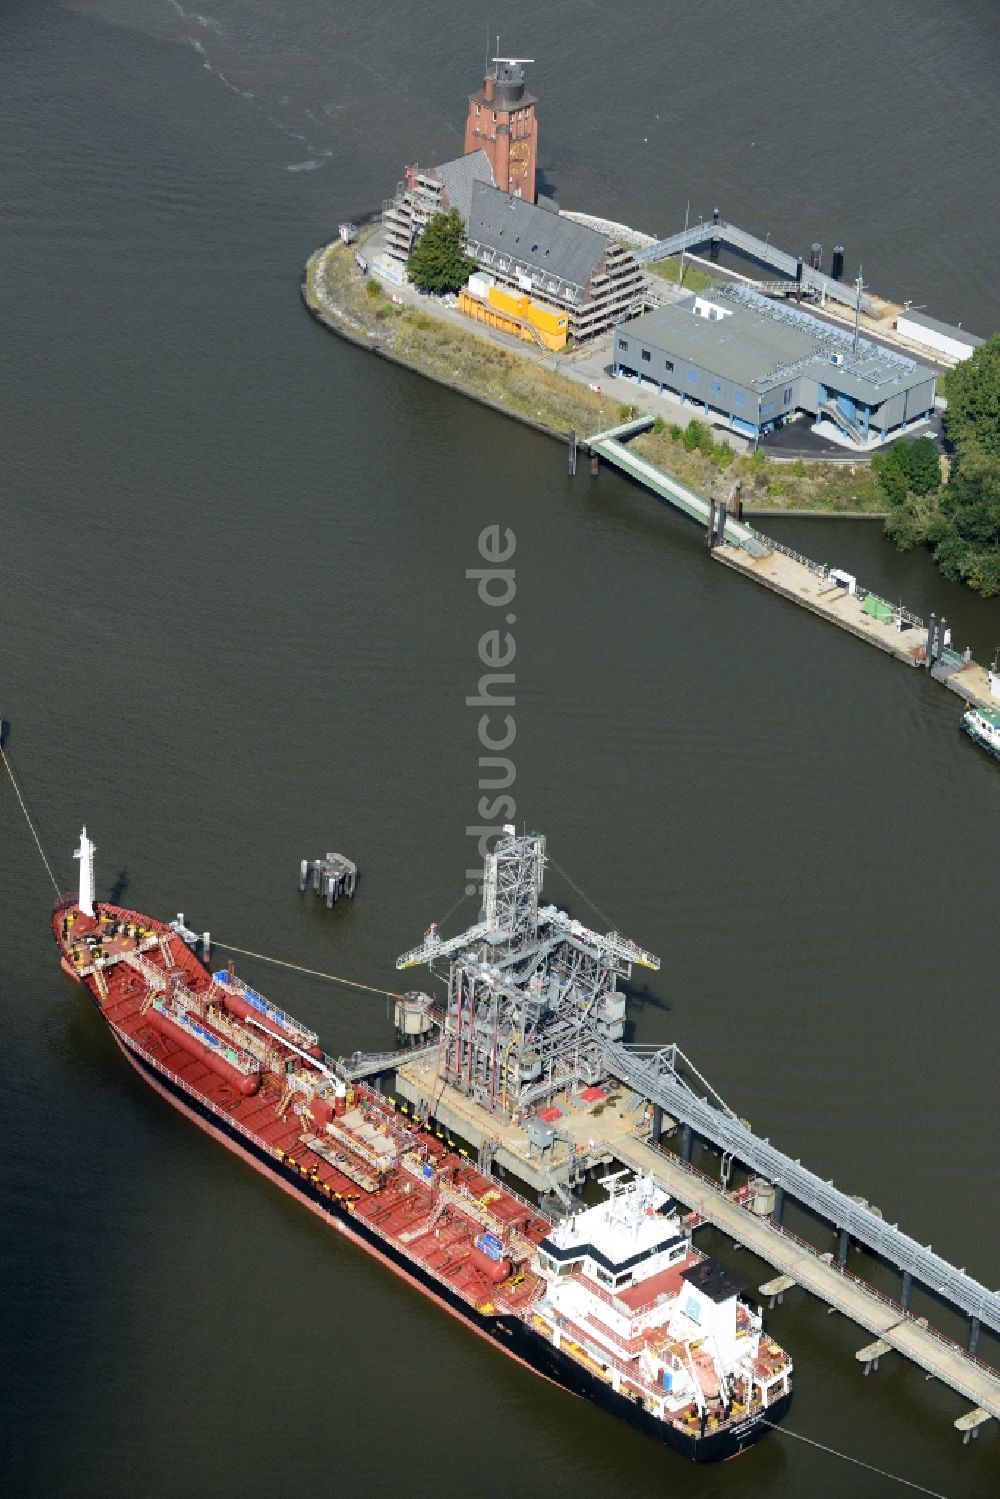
x: 503, y: 123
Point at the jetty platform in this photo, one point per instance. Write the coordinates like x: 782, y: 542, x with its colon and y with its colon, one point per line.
x: 827, y: 592
x: 617, y: 1130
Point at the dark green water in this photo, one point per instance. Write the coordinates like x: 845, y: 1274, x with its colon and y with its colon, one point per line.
x: 238, y: 630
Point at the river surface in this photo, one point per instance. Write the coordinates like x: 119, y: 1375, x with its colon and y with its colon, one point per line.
x: 238, y: 630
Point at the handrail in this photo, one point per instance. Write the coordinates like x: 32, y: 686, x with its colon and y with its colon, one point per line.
x: 818, y: 1254
x: 823, y: 1197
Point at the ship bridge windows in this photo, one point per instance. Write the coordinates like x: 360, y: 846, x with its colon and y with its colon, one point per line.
x: 562, y: 1268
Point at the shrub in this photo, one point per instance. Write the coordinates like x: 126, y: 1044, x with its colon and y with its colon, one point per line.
x: 723, y: 453
x: 693, y: 435
x: 799, y: 468
x: 676, y: 433
x: 373, y: 288
x: 659, y: 425
x: 706, y: 442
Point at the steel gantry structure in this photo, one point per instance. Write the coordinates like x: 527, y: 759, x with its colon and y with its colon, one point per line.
x: 534, y: 1009
x: 532, y: 994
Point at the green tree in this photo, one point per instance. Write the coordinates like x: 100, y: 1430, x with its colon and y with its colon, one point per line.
x: 973, y: 393
x: 951, y: 555
x: 902, y: 528
x: 924, y: 465
x: 693, y: 435
x: 974, y: 499
x: 706, y: 442
x: 437, y: 261
x: 892, y: 470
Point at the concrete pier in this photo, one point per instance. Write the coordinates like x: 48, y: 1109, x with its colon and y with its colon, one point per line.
x: 775, y: 1289
x: 828, y: 592
x: 871, y: 1353
x: 615, y: 1130
x: 331, y: 877
x: 832, y: 602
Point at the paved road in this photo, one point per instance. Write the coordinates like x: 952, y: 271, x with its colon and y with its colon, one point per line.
x: 798, y: 440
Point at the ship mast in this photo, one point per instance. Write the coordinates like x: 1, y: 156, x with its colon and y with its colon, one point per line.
x: 85, y: 854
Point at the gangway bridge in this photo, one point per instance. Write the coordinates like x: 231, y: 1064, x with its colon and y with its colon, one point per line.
x: 610, y: 445
x: 717, y: 231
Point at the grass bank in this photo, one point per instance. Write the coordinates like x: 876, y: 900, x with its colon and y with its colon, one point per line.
x: 513, y: 381
x: 670, y: 270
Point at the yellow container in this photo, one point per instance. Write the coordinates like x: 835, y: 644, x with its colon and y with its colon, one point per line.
x: 548, y: 318
x: 509, y: 301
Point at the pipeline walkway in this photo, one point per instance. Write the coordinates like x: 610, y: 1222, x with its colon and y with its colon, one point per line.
x: 718, y: 231
x: 823, y: 1277
x: 610, y: 446
x: 655, y: 1078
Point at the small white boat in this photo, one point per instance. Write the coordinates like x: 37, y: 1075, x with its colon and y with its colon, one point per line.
x: 983, y: 725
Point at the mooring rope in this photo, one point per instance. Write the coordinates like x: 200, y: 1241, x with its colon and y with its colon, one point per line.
x: 31, y: 826
x: 892, y: 1477
x: 314, y: 973
x: 583, y: 894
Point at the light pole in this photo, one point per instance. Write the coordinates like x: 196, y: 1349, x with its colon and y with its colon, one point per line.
x: 687, y: 215
x: 859, y: 283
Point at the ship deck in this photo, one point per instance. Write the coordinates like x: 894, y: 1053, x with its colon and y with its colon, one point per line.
x: 433, y: 1204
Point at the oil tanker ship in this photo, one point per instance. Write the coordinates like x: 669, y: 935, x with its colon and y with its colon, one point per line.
x: 612, y: 1303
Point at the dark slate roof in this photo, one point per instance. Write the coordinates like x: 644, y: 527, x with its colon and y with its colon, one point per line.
x: 712, y: 1280
x: 460, y: 176
x: 539, y: 239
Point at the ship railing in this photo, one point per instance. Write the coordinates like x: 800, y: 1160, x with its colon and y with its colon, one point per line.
x: 900, y: 615
x: 238, y: 1035
x: 235, y: 1054
x: 532, y: 1207
x: 299, y: 1033
x: 599, y: 1354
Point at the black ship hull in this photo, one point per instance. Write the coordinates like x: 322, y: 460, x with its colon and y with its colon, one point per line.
x: 511, y: 1335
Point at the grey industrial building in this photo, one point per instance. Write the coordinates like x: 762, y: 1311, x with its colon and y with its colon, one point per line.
x: 750, y: 364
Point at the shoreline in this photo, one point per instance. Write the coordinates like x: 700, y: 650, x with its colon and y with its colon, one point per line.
x: 364, y: 338
x: 968, y: 682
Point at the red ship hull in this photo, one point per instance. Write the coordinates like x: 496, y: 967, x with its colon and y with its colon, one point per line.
x: 255, y: 1128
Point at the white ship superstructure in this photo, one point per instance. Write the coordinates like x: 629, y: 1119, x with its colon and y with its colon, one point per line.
x: 627, y: 1291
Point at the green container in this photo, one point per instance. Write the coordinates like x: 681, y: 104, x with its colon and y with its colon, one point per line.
x: 877, y: 609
